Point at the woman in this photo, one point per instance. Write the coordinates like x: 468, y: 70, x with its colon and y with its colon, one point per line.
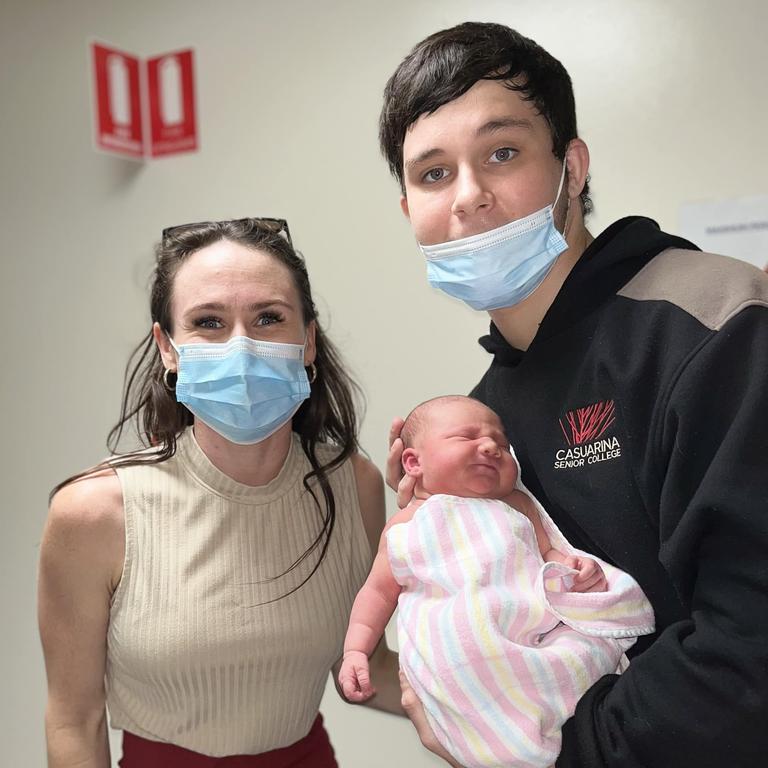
x: 200, y: 588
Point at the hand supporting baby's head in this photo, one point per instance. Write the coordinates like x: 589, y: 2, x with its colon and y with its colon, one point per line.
x: 456, y: 445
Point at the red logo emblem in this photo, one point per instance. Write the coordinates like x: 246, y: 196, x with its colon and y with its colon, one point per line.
x: 588, y: 423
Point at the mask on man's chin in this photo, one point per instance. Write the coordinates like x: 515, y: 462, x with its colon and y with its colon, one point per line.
x: 501, y: 267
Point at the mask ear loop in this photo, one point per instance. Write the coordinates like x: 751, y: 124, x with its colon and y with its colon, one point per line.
x: 168, y: 371
x: 562, y: 179
x: 566, y: 223
x: 168, y: 336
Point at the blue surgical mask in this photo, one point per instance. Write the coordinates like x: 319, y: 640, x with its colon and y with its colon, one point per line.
x: 243, y: 389
x: 501, y: 267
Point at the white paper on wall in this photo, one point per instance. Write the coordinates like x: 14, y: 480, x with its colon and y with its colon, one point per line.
x: 736, y: 227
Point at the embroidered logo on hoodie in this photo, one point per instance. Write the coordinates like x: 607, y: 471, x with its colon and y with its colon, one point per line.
x: 584, y: 430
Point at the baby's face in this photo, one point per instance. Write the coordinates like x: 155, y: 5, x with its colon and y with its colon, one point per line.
x: 463, y: 451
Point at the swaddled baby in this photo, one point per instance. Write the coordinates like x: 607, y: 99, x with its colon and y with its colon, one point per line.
x: 502, y: 625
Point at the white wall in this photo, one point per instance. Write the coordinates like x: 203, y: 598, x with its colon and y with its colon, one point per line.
x: 671, y: 100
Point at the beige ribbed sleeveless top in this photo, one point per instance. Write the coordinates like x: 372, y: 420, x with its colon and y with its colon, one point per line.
x: 194, y: 655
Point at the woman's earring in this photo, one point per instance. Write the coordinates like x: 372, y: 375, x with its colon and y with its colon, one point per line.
x: 166, y: 383
x: 312, y: 373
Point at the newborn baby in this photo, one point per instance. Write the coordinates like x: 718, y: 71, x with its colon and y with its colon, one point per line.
x: 502, y: 625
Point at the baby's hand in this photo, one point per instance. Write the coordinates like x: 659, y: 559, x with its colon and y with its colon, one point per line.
x: 355, y: 678
x: 590, y: 576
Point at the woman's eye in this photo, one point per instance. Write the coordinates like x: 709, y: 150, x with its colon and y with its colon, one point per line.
x: 209, y: 322
x: 503, y: 154
x: 268, y: 319
x: 434, y: 175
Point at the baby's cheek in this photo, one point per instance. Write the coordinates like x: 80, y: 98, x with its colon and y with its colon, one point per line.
x: 511, y: 472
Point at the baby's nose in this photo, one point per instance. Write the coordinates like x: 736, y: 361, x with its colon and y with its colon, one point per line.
x: 489, y: 448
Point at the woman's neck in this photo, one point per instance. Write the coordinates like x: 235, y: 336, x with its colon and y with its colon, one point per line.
x: 254, y: 465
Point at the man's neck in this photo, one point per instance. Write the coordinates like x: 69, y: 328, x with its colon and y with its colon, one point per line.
x: 520, y: 324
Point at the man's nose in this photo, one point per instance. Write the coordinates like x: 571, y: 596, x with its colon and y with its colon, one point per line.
x: 472, y: 195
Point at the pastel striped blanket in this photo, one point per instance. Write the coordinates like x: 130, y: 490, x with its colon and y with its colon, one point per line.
x: 496, y: 648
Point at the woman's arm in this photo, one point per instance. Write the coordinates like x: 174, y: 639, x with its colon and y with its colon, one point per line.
x: 81, y: 557
x: 384, y: 665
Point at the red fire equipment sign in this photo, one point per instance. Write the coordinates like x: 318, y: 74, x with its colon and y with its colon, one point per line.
x: 118, y: 101
x: 171, y: 91
x: 144, y: 110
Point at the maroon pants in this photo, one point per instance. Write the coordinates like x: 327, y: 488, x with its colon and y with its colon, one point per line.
x: 313, y: 751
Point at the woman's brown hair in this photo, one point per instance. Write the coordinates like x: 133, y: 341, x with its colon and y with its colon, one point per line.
x: 327, y: 416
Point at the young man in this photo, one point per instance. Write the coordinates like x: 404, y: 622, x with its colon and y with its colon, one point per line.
x: 630, y: 374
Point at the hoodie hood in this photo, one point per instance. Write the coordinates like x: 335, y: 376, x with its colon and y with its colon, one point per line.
x: 608, y: 264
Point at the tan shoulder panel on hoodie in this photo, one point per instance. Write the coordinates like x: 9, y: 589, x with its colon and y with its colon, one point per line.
x: 709, y: 287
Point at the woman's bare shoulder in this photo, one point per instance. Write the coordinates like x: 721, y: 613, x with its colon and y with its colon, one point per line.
x: 86, y: 520
x: 95, y: 499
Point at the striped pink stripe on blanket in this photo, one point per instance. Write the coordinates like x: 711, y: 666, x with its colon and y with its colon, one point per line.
x: 496, y: 648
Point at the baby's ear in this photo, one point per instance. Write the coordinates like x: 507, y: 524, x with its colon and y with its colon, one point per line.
x: 411, y: 463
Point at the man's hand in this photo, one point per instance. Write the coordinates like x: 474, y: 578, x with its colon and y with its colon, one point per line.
x: 397, y: 480
x: 355, y: 677
x: 590, y: 576
x: 415, y: 712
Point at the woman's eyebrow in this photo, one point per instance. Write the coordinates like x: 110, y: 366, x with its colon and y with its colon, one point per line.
x: 217, y: 306
x: 255, y: 307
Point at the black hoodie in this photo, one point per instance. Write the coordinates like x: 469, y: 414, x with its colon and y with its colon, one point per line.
x: 640, y: 416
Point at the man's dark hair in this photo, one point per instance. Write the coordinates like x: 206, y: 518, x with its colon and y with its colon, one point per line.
x: 447, y: 64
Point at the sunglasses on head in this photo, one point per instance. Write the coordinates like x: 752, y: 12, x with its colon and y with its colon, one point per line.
x: 276, y: 226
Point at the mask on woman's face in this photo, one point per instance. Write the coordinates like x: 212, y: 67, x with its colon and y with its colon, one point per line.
x: 501, y: 267
x: 243, y: 389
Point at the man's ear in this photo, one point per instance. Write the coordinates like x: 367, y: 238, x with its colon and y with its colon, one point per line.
x: 411, y: 463
x: 404, y: 207
x: 577, y: 160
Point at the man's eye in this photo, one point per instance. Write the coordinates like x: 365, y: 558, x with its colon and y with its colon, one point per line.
x: 503, y: 154
x: 433, y: 175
